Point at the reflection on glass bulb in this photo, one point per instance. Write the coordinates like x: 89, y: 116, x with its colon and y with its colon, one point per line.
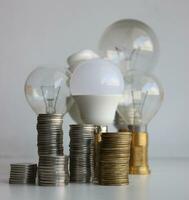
x: 141, y: 100
x: 131, y: 44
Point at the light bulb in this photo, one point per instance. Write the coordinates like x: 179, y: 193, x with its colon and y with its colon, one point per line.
x: 142, y: 99
x: 46, y: 90
x: 131, y: 44
x: 75, y: 59
x: 97, y: 86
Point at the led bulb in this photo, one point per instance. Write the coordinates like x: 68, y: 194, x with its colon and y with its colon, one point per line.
x: 73, y: 61
x: 97, y: 86
x: 131, y: 44
x: 46, y: 91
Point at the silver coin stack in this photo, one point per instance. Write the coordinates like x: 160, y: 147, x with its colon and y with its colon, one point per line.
x: 50, y: 134
x: 53, y: 171
x: 82, y: 153
x: 23, y: 173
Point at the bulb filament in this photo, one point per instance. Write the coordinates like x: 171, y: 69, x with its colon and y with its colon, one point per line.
x: 50, y: 97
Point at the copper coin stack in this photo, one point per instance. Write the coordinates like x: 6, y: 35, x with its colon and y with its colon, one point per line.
x: 82, y: 153
x: 114, y: 158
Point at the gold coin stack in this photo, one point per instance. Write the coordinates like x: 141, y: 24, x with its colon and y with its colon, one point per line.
x: 114, y: 158
x: 98, y: 133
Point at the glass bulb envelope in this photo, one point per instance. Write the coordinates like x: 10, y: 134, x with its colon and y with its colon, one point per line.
x: 47, y: 91
x: 131, y: 44
x: 142, y: 98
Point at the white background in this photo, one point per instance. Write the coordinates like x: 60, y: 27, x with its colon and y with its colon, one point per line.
x: 34, y: 32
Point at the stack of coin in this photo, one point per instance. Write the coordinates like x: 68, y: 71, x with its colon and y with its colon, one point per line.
x: 82, y: 153
x: 23, y: 173
x: 53, y: 171
x: 114, y: 158
x: 50, y: 134
x: 99, y: 131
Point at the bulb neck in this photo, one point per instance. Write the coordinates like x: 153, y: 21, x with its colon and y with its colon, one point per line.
x: 134, y: 129
x: 50, y: 107
x: 137, y: 128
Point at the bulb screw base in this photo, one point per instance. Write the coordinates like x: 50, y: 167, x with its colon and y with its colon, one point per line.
x: 139, y: 154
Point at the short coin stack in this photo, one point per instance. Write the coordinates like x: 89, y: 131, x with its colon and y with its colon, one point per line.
x: 50, y: 134
x: 114, y: 158
x: 53, y: 171
x: 23, y: 173
x: 82, y: 153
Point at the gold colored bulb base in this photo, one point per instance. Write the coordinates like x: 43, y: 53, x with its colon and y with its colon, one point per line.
x: 139, y: 154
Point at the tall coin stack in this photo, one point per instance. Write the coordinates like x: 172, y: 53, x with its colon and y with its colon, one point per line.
x: 53, y: 170
x: 53, y: 165
x: 50, y: 134
x: 23, y: 173
x: 82, y: 153
x: 114, y: 158
x: 98, y: 133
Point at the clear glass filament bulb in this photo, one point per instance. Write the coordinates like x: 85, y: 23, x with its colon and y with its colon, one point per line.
x: 142, y: 98
x: 131, y: 44
x: 46, y: 90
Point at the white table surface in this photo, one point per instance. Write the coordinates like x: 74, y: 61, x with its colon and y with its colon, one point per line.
x: 169, y: 181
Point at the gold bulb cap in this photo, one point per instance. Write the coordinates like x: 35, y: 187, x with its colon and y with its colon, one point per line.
x: 139, y: 154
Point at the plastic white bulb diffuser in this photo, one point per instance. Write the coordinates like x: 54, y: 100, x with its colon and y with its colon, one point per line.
x: 46, y: 90
x: 142, y: 99
x: 96, y: 77
x: 131, y: 44
x: 97, y: 86
x: 75, y: 59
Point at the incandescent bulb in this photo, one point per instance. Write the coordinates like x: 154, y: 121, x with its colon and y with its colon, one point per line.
x: 97, y: 86
x: 131, y: 44
x: 141, y: 100
x: 46, y: 91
